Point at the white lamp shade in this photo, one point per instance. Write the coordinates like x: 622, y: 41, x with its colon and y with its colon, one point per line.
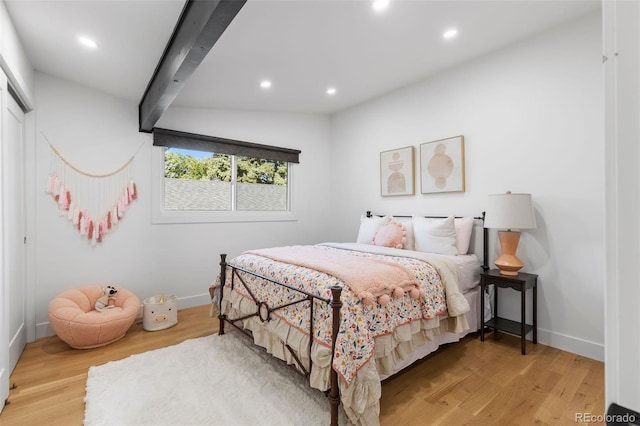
x: 510, y: 211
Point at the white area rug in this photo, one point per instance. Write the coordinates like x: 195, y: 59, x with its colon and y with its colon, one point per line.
x: 213, y: 380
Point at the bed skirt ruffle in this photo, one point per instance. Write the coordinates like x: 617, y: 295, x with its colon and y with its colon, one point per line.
x: 361, y: 399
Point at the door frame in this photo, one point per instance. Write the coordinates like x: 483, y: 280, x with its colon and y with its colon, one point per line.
x: 28, y: 191
x: 5, y: 370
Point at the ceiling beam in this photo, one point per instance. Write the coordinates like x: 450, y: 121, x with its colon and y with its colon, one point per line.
x: 199, y: 27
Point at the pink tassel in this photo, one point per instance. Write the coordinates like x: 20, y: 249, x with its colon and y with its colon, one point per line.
x: 51, y: 184
x: 384, y: 300
x: 76, y: 215
x: 135, y: 191
x: 80, y: 222
x: 66, y: 202
x: 398, y: 292
x: 90, y: 232
x: 100, y: 232
x: 108, y: 220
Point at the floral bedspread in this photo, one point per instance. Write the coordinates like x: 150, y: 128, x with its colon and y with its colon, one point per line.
x: 360, y: 324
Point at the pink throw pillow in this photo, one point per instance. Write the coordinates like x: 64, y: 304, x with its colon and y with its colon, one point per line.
x: 391, y: 235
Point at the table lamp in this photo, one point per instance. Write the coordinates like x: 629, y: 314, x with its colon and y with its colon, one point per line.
x: 509, y: 211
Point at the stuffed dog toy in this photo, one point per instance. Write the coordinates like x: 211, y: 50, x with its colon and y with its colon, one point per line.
x: 107, y: 300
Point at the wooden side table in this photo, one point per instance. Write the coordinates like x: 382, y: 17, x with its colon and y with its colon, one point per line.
x: 521, y: 282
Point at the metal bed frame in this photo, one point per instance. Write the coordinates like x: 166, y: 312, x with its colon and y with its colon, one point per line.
x: 263, y: 312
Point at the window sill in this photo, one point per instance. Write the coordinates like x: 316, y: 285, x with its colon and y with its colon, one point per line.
x: 167, y: 217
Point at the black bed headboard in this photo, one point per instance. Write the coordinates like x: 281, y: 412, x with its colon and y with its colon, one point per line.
x: 485, y: 234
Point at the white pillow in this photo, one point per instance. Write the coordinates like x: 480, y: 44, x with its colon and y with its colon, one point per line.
x: 369, y: 226
x: 435, y: 235
x: 407, y: 222
x: 464, y: 227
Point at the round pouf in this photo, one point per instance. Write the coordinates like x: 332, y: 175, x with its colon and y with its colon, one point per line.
x: 73, y: 317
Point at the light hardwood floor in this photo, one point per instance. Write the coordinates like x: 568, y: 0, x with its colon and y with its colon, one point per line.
x: 469, y: 382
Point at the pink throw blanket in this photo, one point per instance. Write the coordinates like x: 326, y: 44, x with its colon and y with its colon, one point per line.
x: 368, y: 278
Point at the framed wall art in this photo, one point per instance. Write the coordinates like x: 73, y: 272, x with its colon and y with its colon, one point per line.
x: 396, y: 172
x: 442, y: 165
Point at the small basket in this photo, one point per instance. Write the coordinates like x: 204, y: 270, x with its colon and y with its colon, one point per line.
x: 159, y: 312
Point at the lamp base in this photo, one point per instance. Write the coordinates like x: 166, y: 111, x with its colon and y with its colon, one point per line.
x: 508, y: 263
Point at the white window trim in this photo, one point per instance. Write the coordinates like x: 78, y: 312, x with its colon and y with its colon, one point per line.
x: 159, y: 215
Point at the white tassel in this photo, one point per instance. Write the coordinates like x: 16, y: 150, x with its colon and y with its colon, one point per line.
x: 114, y: 216
x: 76, y: 215
x: 72, y: 207
x: 83, y: 223
x: 60, y: 193
x: 95, y: 234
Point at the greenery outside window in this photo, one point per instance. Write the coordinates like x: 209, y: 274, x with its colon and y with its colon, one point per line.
x: 206, y: 185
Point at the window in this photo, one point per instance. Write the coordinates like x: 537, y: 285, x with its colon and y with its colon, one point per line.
x: 213, y: 179
x: 196, y: 181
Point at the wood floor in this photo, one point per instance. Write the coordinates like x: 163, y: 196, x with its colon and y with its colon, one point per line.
x: 469, y: 382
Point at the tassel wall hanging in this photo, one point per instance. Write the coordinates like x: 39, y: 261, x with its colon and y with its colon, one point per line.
x: 93, y: 203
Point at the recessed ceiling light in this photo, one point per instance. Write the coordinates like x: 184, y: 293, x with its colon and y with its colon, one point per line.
x: 450, y: 33
x: 265, y: 84
x: 380, y: 5
x: 331, y: 91
x: 87, y: 42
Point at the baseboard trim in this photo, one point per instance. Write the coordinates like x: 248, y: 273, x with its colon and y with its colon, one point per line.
x: 16, y: 346
x: 44, y: 330
x: 561, y: 341
x: 193, y: 301
x: 572, y: 344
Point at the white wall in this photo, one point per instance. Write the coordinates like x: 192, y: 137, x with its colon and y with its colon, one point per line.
x: 532, y: 118
x: 97, y: 133
x: 14, y: 60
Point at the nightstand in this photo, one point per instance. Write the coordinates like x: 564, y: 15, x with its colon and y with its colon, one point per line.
x: 521, y: 282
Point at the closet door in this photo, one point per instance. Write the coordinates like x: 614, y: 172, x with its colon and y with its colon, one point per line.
x: 13, y: 334
x: 14, y: 225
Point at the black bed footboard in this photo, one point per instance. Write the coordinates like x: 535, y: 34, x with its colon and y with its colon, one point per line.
x: 264, y: 310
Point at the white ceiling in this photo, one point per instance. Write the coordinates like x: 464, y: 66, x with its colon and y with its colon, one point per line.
x: 302, y: 46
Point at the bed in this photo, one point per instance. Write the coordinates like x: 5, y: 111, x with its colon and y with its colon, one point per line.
x: 372, y: 307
